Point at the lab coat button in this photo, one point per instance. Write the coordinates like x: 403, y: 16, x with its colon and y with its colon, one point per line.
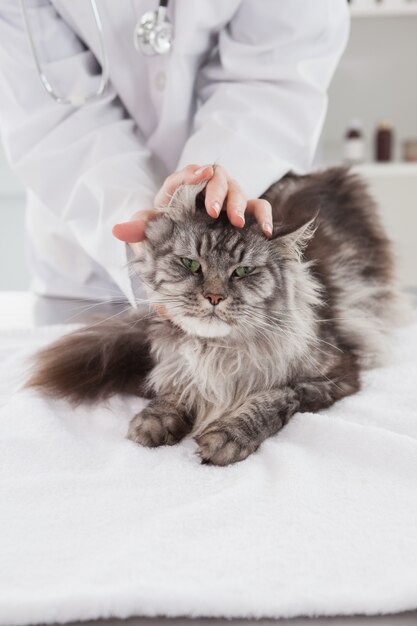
x: 160, y: 80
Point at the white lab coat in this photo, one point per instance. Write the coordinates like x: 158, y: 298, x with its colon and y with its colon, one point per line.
x: 244, y: 85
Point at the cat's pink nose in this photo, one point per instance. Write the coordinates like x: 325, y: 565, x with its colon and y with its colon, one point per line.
x: 214, y: 298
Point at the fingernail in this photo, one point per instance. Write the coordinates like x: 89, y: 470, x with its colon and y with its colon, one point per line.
x: 200, y: 170
x: 216, y: 207
x: 266, y: 226
x: 241, y: 217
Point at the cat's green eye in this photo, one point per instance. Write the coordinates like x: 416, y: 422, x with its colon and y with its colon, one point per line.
x: 242, y: 271
x: 191, y: 264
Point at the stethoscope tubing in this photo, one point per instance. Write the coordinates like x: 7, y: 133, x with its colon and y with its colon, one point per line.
x: 142, y: 43
x: 105, y: 70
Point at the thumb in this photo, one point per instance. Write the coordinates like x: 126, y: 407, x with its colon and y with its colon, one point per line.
x: 134, y: 230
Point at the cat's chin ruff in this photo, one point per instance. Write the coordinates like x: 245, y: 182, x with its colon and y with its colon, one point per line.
x: 200, y: 328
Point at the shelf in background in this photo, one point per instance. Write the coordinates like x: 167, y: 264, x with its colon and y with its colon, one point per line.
x: 392, y: 169
x: 387, y: 169
x: 384, y: 10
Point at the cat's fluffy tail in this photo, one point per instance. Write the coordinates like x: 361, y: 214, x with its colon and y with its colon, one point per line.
x: 108, y: 357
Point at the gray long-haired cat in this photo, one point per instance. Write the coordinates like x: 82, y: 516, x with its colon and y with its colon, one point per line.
x: 251, y: 330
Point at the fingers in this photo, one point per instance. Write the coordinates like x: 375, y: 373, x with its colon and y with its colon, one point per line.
x: 236, y: 204
x: 161, y: 311
x: 134, y: 230
x: 216, y: 191
x: 262, y: 211
x: 220, y: 188
x: 190, y: 175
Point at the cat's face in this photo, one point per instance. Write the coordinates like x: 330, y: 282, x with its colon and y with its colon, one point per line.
x: 211, y: 278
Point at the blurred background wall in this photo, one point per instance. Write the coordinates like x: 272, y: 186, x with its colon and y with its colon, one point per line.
x: 14, y: 272
x: 376, y: 80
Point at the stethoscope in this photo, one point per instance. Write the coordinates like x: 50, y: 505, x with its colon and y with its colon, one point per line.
x: 153, y: 34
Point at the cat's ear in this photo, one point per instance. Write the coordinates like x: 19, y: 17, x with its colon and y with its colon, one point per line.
x: 185, y: 201
x: 294, y: 226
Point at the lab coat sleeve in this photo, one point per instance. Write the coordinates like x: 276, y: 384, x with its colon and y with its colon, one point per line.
x: 263, y: 94
x: 89, y: 165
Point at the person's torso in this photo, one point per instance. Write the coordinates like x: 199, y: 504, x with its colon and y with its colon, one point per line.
x: 158, y: 91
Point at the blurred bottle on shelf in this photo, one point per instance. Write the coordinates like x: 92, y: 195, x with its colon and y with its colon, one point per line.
x: 410, y: 150
x: 354, y: 143
x: 384, y: 142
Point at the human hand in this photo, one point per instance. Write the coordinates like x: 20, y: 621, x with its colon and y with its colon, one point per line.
x: 220, y: 188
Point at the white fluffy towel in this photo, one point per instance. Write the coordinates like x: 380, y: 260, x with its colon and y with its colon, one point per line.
x: 321, y: 520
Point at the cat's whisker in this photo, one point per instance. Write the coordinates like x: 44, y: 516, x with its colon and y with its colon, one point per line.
x: 313, y: 337
x: 85, y: 308
x: 285, y: 331
x: 265, y: 329
x: 280, y: 314
x: 279, y: 341
x: 106, y: 319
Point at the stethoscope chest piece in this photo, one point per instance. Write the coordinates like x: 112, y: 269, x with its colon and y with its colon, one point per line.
x: 154, y: 33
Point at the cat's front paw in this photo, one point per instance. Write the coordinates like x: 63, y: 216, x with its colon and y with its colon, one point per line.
x: 221, y: 446
x: 157, y: 426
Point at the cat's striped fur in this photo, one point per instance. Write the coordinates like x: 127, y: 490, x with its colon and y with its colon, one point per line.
x: 291, y: 336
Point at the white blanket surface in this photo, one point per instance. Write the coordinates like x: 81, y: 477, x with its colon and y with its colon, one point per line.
x: 321, y: 520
